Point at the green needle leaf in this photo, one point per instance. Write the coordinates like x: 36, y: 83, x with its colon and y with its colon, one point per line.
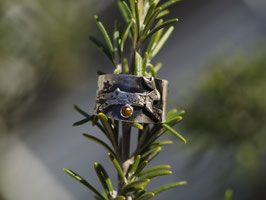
x: 145, y: 63
x: 126, y: 67
x: 105, y: 34
x: 137, y: 18
x: 155, y: 133
x: 167, y: 187
x: 120, y: 198
x: 135, y: 165
x: 162, y: 143
x: 123, y: 10
x: 104, y: 179
x: 84, y: 182
x: 133, y: 189
x: 141, y: 166
x: 82, y: 112
x: 149, y: 156
x: 125, y: 34
x: 157, y: 28
x: 155, y: 174
x: 118, y: 168
x: 157, y: 67
x: 163, y: 13
x: 132, y: 6
x: 152, y: 169
x: 162, y: 41
x: 105, y: 146
x: 146, y: 196
x: 102, y: 48
x: 139, y: 193
x: 83, y: 121
x: 169, y: 128
x: 171, y: 114
x: 151, y: 21
x: 138, y: 64
x: 182, y: 112
x: 108, y: 129
x: 137, y: 183
x: 149, y: 13
x: 151, y: 68
x: 169, y: 3
x: 155, y: 38
x: 129, y: 12
x: 174, y: 120
x: 137, y: 125
x: 156, y: 1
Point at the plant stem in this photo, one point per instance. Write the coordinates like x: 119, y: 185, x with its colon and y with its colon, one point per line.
x: 126, y: 162
x: 132, y: 61
x: 126, y: 131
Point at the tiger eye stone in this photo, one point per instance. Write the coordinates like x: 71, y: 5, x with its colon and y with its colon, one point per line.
x: 126, y: 111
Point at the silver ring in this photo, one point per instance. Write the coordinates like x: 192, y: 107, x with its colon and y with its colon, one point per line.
x: 132, y: 98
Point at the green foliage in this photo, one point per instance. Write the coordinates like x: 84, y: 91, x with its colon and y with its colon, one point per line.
x: 133, y: 179
x: 232, y: 93
x: 42, y: 54
x: 228, y: 113
x: 145, y: 35
x: 144, y: 28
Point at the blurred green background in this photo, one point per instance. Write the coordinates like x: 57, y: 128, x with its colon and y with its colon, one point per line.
x: 42, y: 44
x: 215, y: 63
x: 227, y: 114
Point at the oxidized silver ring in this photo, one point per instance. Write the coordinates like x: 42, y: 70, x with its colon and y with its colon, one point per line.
x: 132, y: 98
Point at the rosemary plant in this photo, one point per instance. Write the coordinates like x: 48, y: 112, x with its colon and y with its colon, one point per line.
x: 144, y: 30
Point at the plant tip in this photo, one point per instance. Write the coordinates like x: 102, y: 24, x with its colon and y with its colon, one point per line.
x: 183, y: 182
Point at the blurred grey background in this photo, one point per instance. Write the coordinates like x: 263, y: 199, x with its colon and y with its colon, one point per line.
x: 216, y: 54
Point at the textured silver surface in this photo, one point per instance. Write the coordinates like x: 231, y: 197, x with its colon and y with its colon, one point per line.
x: 147, y: 95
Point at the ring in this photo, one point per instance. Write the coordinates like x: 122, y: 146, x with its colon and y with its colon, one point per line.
x: 131, y: 98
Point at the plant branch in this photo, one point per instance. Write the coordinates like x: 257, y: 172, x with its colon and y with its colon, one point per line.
x: 126, y: 130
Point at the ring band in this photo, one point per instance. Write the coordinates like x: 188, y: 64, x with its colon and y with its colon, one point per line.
x: 132, y: 98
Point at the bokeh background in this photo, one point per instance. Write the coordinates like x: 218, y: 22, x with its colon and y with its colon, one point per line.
x: 215, y: 62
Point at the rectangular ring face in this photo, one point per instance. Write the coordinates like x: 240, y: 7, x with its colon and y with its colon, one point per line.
x: 132, y: 98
